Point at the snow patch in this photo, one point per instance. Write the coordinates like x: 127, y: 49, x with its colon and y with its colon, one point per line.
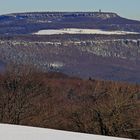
x: 56, y: 65
x: 13, y: 132
x: 81, y: 31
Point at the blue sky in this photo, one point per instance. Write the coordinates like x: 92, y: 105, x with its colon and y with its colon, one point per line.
x: 125, y: 8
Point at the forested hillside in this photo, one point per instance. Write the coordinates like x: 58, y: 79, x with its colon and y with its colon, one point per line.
x: 54, y: 100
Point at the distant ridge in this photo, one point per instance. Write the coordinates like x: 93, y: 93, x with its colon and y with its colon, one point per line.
x: 27, y: 23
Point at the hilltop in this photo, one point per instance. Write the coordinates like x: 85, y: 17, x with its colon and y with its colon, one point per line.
x: 26, y: 23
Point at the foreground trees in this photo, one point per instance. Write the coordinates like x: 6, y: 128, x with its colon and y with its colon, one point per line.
x: 54, y: 100
x: 19, y: 89
x: 111, y: 112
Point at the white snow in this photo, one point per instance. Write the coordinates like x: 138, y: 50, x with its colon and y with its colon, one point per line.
x: 81, y: 31
x: 56, y: 64
x: 13, y: 132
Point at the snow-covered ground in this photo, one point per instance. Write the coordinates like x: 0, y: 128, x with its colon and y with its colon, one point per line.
x: 12, y: 132
x: 81, y: 31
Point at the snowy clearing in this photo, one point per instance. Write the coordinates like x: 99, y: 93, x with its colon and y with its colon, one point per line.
x: 12, y: 132
x: 82, y: 31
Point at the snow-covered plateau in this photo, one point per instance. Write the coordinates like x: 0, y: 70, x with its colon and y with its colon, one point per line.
x: 82, y: 31
x: 13, y: 132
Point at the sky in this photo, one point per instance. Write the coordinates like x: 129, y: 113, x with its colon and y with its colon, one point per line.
x: 126, y: 8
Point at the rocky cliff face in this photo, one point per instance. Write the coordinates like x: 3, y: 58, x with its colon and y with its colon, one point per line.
x: 112, y: 59
x: 119, y: 48
x: 128, y: 49
x: 101, y: 15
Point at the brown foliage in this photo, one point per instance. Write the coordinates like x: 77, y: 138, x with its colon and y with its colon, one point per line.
x: 53, y: 100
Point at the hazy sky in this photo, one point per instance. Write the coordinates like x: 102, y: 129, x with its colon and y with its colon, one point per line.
x: 125, y: 8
